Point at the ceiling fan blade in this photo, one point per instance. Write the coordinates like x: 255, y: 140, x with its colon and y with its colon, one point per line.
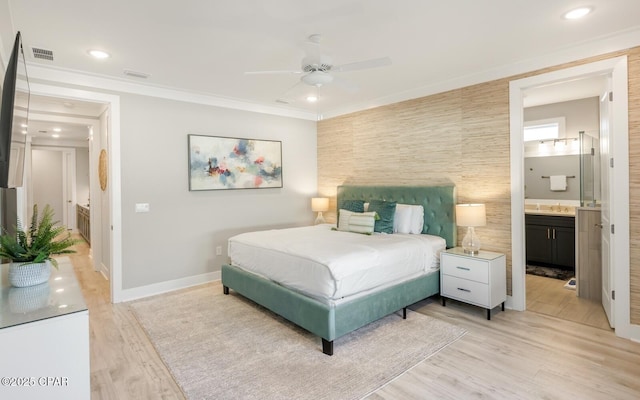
x: 272, y: 72
x: 366, y: 64
x: 312, y: 48
x: 287, y: 97
x: 345, y: 84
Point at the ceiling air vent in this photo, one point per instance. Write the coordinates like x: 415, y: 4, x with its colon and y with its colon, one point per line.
x: 136, y: 74
x: 42, y: 54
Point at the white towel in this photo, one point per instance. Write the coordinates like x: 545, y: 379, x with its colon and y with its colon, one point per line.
x: 558, y: 183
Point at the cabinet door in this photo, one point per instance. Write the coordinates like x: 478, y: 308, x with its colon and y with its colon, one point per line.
x: 565, y: 247
x: 538, y: 244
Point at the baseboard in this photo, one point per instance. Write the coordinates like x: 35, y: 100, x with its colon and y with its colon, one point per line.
x: 168, y: 286
x: 634, y: 333
x: 104, y: 271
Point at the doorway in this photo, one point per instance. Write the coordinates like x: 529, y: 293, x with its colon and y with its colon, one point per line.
x: 561, y: 139
x: 68, y: 104
x: 616, y: 68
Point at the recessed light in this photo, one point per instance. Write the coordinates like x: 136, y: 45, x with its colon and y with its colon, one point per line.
x: 312, y: 99
x: 23, y: 125
x: 577, y: 13
x: 55, y: 136
x: 99, y: 54
x: 57, y: 130
x: 62, y: 306
x: 24, y: 132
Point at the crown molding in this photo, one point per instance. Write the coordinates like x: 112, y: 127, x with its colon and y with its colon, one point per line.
x: 78, y: 78
x: 611, y: 43
x: 608, y: 44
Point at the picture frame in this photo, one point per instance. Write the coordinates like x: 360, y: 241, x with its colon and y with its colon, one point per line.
x: 227, y: 163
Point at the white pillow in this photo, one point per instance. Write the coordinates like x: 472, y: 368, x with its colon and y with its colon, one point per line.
x: 408, y: 219
x: 350, y: 221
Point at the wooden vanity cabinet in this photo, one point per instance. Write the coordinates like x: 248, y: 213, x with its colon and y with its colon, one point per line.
x: 550, y: 240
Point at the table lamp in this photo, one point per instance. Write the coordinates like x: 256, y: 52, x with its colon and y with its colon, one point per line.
x: 471, y: 215
x: 319, y: 204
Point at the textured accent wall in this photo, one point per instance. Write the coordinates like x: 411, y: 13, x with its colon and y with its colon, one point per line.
x: 460, y: 136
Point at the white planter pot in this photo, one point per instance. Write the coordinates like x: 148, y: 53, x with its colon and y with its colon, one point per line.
x: 29, y: 274
x: 27, y: 299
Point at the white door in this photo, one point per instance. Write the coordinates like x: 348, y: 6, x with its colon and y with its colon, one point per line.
x: 53, y: 176
x: 46, y: 172
x: 606, y: 173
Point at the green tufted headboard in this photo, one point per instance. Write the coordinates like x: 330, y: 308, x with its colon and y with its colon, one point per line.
x: 438, y: 201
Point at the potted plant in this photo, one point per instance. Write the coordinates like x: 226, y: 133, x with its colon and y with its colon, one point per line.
x: 31, y: 251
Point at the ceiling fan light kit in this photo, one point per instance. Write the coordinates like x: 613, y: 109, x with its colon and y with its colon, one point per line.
x: 317, y: 78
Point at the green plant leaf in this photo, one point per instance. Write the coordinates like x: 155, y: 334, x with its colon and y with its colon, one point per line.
x: 44, y: 238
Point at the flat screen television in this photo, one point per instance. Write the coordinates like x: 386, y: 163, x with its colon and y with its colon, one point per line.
x: 14, y: 117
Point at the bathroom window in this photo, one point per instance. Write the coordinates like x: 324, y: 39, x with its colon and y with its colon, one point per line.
x: 546, y: 129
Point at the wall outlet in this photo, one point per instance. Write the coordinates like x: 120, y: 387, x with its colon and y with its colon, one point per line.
x: 142, y: 207
x: 219, y: 250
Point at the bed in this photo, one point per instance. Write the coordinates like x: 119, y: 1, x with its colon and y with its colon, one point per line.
x: 331, y: 312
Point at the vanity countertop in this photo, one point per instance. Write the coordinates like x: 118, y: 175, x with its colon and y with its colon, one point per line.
x: 559, y: 211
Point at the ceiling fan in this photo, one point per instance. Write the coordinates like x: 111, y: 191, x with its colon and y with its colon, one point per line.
x: 318, y: 69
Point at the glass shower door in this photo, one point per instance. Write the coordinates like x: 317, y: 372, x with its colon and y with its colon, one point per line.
x: 589, y: 170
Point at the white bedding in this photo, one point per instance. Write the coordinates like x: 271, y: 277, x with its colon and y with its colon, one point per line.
x: 331, y: 265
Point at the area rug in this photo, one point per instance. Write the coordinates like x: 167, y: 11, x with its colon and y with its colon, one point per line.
x: 550, y: 272
x: 227, y: 347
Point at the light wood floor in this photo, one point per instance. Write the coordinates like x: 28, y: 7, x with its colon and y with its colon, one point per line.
x: 516, y: 355
x: 548, y: 296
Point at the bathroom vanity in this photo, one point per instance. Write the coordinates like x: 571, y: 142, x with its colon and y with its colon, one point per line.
x: 550, y: 237
x: 83, y: 216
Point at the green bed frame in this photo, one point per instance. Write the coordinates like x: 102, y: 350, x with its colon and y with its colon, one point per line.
x: 331, y: 322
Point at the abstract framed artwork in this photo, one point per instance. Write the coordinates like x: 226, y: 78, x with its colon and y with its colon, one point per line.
x: 220, y: 163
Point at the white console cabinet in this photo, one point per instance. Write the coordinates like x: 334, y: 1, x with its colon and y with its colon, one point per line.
x: 44, y: 338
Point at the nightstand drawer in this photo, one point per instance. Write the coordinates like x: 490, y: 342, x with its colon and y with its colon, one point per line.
x: 465, y: 290
x: 466, y: 268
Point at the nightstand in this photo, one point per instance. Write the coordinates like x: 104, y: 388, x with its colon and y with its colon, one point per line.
x: 479, y: 279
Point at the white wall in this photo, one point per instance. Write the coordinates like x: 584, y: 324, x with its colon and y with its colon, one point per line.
x: 177, y: 238
x: 7, y: 36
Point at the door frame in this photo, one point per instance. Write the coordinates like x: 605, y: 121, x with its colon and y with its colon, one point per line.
x: 115, y: 203
x: 620, y: 187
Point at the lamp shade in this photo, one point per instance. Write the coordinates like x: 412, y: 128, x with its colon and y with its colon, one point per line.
x: 471, y: 215
x: 319, y: 204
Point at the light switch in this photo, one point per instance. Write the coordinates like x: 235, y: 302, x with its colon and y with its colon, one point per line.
x: 142, y: 207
